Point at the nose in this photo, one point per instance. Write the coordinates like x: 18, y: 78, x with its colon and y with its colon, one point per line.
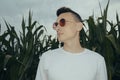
x: 57, y: 28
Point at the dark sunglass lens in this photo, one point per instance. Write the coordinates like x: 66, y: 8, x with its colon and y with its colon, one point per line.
x: 62, y: 22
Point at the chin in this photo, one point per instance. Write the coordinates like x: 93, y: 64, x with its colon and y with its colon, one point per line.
x: 60, y: 40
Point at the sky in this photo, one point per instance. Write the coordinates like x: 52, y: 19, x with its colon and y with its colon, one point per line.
x: 44, y: 11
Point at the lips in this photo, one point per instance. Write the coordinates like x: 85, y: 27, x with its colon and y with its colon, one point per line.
x: 59, y: 33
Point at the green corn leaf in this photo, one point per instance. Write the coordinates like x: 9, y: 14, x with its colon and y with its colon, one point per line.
x: 114, y: 42
x: 37, y: 29
x: 40, y: 33
x: 23, y: 28
x: 33, y: 25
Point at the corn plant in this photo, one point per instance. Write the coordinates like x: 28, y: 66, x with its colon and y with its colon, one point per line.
x: 19, y: 54
x: 105, y: 42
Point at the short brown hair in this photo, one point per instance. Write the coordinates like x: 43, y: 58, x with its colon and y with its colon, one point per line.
x: 65, y: 10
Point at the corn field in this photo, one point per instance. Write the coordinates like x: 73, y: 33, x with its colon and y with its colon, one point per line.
x: 19, y: 54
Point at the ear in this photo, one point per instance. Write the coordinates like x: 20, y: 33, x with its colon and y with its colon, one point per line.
x: 79, y: 26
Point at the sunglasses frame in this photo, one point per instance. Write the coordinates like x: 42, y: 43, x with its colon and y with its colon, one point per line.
x: 62, y: 23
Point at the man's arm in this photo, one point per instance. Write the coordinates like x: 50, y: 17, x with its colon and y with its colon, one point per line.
x: 101, y: 72
x: 41, y: 74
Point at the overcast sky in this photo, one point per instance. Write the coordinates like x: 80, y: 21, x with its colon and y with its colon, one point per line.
x: 44, y: 11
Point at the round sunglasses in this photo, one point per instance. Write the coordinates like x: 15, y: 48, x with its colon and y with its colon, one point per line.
x: 62, y: 23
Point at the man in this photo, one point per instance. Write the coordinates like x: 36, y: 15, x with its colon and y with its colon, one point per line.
x: 72, y: 61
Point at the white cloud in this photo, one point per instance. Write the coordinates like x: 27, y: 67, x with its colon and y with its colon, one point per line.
x: 44, y: 11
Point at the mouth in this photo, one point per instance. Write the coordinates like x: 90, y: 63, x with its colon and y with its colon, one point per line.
x: 59, y: 33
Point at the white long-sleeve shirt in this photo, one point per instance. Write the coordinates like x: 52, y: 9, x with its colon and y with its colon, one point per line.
x: 59, y: 64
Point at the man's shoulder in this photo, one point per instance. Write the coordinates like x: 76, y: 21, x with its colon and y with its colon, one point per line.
x: 94, y: 54
x: 51, y: 52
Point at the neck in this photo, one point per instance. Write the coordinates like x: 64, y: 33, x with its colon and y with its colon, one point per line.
x: 73, y: 47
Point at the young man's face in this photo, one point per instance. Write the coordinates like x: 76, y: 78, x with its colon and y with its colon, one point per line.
x: 67, y: 28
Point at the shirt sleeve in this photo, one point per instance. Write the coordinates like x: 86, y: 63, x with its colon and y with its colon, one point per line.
x: 41, y: 72
x: 101, y: 71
